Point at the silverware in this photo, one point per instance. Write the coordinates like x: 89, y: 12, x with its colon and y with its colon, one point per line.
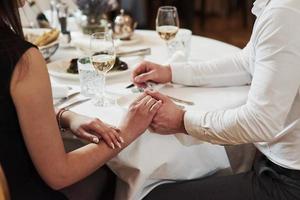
x: 151, y: 85
x: 190, y: 103
x: 65, y: 99
x: 130, y: 86
x: 76, y: 103
x: 139, y: 52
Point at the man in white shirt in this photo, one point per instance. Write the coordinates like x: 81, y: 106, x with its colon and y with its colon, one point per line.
x: 270, y: 118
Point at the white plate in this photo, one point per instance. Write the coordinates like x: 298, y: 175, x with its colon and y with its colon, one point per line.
x: 59, y: 68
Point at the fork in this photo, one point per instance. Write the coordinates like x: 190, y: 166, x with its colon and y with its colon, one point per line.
x: 65, y: 99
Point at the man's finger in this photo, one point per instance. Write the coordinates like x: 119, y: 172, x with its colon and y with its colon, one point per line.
x: 142, y: 78
x: 141, y: 68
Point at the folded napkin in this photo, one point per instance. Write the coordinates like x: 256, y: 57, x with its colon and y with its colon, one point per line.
x: 59, y: 91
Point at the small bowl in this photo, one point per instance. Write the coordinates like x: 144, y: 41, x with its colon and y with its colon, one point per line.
x: 48, y: 50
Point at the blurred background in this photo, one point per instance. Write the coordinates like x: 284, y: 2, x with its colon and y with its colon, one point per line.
x: 229, y: 21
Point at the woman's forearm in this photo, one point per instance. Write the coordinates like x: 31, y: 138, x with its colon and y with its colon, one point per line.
x: 85, y: 160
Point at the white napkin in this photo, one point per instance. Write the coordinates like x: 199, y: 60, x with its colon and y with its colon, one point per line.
x: 59, y: 91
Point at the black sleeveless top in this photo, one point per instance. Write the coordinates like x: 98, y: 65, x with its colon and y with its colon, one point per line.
x: 23, y: 180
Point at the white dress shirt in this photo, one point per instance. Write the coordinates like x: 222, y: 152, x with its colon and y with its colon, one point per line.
x: 271, y: 64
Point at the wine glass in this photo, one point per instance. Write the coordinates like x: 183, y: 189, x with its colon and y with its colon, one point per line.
x: 103, y: 56
x: 167, y: 22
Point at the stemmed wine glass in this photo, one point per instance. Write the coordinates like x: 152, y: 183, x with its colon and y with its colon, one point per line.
x: 167, y: 22
x: 103, y: 56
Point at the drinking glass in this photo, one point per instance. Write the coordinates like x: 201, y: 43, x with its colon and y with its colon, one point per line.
x: 181, y: 43
x: 167, y: 22
x: 103, y: 56
x: 89, y: 79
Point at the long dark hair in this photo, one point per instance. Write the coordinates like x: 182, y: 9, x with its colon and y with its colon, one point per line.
x: 10, y: 17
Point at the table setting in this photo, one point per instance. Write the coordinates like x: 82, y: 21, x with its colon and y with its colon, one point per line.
x: 95, y: 90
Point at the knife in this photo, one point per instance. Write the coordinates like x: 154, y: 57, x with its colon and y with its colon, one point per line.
x: 71, y: 105
x: 139, y: 52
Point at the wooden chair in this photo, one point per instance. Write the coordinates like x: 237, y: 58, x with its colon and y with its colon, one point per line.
x: 4, y: 193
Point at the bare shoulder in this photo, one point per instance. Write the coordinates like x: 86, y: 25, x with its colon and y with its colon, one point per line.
x: 30, y: 75
x: 30, y: 68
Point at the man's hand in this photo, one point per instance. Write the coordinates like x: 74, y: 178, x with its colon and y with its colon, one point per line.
x: 147, y: 71
x: 169, y: 117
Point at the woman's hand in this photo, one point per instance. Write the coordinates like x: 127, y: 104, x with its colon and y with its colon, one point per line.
x: 147, y: 71
x: 140, y: 114
x: 93, y: 129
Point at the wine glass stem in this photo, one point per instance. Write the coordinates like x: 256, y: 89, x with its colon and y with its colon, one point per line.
x: 103, y: 85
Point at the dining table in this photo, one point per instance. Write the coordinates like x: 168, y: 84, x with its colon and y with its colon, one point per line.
x: 154, y: 159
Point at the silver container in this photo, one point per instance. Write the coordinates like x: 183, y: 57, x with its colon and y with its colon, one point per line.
x: 124, y: 26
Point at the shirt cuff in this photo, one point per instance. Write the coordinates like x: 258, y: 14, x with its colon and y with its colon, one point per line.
x: 193, y: 123
x: 177, y: 70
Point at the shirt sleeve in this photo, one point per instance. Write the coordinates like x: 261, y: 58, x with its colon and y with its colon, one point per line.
x: 275, y: 84
x: 227, y: 71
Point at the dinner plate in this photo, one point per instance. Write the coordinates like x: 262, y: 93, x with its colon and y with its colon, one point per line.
x: 59, y: 68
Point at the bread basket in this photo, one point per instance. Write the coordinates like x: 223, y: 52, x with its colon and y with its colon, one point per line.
x: 46, y: 50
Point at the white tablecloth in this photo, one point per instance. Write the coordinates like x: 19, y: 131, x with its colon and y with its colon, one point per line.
x: 154, y: 159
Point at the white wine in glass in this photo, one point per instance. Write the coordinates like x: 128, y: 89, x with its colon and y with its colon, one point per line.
x: 103, y: 56
x: 167, y: 22
x: 103, y: 62
x: 167, y: 32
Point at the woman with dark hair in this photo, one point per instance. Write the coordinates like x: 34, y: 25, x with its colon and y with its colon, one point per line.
x: 31, y: 148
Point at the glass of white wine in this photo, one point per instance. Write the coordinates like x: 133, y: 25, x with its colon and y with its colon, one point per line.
x: 167, y: 22
x: 103, y: 56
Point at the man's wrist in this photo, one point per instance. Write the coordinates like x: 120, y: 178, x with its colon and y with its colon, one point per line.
x: 168, y: 73
x: 182, y: 127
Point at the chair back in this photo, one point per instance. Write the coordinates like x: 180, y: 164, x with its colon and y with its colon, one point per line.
x: 4, y: 193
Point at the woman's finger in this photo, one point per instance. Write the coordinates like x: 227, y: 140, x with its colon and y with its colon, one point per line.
x: 107, y: 139
x: 139, y: 98
x: 120, y: 138
x: 155, y: 107
x: 113, y: 136
x: 144, y: 100
x: 117, y: 133
x: 151, y: 102
x: 87, y: 136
